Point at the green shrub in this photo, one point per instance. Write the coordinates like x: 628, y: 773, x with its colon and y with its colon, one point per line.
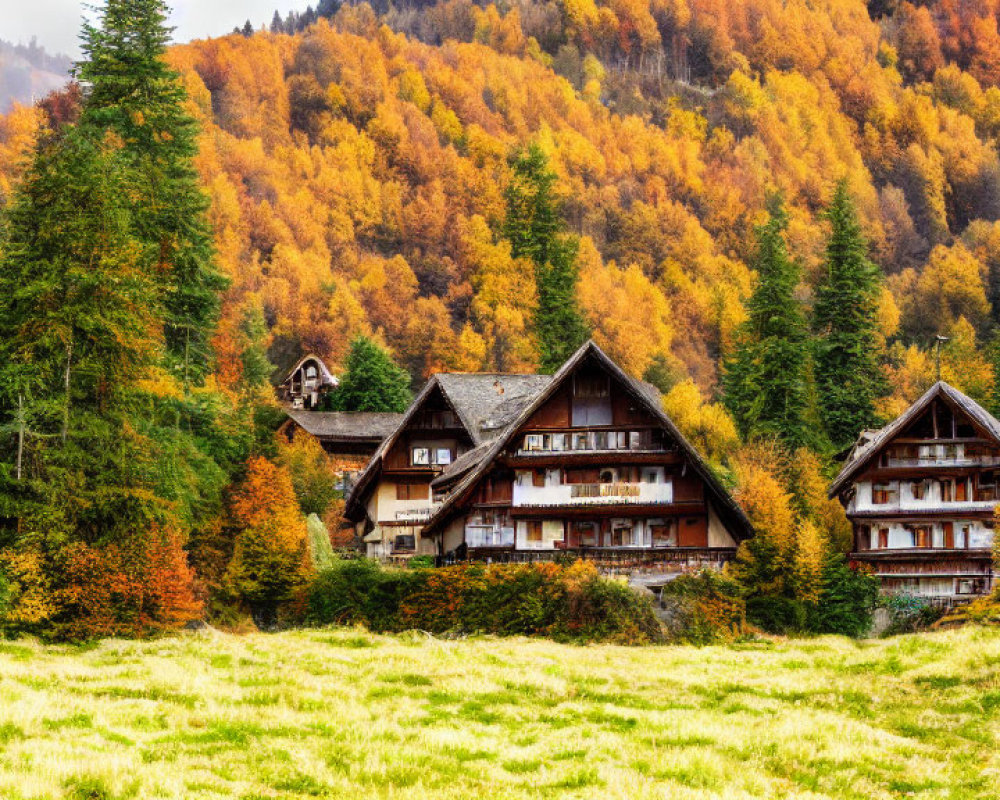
x: 320, y: 549
x: 908, y: 614
x: 847, y: 599
x: 360, y: 591
x: 703, y: 608
x: 567, y: 602
x: 777, y: 614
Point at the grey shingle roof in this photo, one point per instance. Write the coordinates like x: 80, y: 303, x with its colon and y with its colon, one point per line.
x: 864, y: 451
x: 345, y: 424
x: 484, y: 401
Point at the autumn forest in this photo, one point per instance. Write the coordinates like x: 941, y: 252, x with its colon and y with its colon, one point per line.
x: 356, y: 172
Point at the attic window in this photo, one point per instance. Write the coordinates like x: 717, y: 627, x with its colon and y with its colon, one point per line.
x: 591, y: 386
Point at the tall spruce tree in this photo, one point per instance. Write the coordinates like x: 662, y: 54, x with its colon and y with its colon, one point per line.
x: 845, y: 321
x: 372, y: 381
x: 131, y: 91
x: 767, y: 379
x: 536, y: 231
x: 77, y: 331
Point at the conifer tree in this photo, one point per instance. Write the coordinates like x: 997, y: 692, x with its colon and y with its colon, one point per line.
x: 77, y: 331
x: 536, y: 231
x: 766, y: 381
x: 372, y: 381
x: 848, y: 375
x: 131, y: 91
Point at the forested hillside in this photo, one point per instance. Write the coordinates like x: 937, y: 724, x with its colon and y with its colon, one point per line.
x: 357, y: 171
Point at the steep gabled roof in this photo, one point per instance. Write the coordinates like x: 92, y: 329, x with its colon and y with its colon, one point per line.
x: 871, y: 444
x: 482, y: 400
x: 326, y: 377
x: 642, y: 392
x: 345, y: 425
x: 477, y: 398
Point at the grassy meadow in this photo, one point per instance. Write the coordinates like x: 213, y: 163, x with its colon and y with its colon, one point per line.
x: 343, y: 713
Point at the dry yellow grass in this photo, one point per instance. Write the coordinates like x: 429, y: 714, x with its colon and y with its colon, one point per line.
x: 343, y: 713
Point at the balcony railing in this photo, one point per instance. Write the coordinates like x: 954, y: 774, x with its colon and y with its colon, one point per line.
x: 589, y: 442
x: 593, y: 494
x: 414, y: 514
x: 943, y: 461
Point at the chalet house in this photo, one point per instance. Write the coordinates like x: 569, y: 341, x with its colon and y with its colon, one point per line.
x: 921, y: 494
x: 453, y: 414
x: 583, y: 462
x: 306, y: 383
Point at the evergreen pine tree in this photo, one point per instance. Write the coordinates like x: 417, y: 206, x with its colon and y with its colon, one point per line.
x: 849, y: 377
x: 372, y: 381
x: 77, y: 332
x: 131, y: 91
x: 536, y: 231
x: 766, y: 381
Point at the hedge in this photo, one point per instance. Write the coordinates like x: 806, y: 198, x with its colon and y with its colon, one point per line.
x: 567, y: 602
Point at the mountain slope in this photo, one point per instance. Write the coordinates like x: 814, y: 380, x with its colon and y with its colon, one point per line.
x: 357, y: 171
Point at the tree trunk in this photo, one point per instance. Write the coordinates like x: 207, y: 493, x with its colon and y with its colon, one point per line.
x: 66, y: 382
x: 20, y: 434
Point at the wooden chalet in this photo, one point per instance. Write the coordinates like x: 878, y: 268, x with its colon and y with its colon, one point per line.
x: 921, y: 494
x: 583, y: 462
x: 306, y: 383
x: 453, y: 414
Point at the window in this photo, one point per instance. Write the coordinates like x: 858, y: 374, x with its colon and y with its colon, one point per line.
x: 405, y: 542
x: 922, y: 536
x: 601, y: 440
x: 560, y: 442
x: 582, y: 442
x: 538, y: 478
x: 621, y: 534
x: 883, y: 538
x: 951, y: 452
x: 882, y: 493
x: 442, y: 456
x: 652, y: 476
x: 412, y: 491
x: 591, y: 400
x: 421, y: 457
x: 662, y: 534
x: 585, y: 533
x: 987, y: 491
x: 918, y: 489
x: 622, y: 440
x: 947, y: 491
x: 534, y: 530
x: 607, y: 476
x: 533, y: 441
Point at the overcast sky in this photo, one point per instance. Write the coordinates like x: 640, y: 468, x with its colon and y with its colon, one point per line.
x: 56, y: 23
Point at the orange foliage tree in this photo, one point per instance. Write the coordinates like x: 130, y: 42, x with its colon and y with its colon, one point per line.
x: 270, y: 558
